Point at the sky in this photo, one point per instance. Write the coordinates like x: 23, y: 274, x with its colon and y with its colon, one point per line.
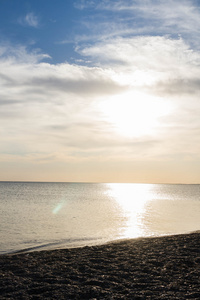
x: 100, y: 91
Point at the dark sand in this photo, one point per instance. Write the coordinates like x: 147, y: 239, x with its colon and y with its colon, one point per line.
x: 151, y: 268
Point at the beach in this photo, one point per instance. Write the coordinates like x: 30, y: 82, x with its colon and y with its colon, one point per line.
x: 146, y: 268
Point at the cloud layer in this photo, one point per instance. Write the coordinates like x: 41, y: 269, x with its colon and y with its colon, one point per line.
x: 51, y: 116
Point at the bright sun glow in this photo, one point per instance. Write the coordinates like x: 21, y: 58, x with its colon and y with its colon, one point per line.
x: 134, y: 113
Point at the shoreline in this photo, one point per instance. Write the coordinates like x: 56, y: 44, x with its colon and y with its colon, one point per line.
x: 64, y: 245
x: 166, y: 267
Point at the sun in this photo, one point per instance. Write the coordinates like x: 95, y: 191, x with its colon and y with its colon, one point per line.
x: 134, y: 113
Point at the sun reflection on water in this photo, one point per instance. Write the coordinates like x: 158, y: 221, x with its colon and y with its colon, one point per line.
x: 132, y: 200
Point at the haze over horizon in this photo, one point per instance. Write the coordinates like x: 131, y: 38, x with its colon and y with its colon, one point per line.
x: 100, y: 91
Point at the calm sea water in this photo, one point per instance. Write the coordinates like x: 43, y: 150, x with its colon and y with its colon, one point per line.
x: 36, y: 216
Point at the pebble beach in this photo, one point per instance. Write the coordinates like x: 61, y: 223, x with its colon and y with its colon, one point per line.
x: 147, y: 268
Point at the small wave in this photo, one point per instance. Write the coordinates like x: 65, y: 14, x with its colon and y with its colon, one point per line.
x: 70, y: 243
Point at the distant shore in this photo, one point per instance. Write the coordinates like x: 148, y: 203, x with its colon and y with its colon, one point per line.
x: 147, y: 268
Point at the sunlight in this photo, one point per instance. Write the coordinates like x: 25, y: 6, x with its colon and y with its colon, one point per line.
x: 134, y: 113
x: 132, y: 200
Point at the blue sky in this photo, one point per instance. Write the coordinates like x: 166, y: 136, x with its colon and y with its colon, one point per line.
x: 58, y: 28
x: 100, y: 90
x: 41, y: 24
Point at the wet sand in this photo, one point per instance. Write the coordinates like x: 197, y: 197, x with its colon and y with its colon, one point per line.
x: 151, y: 268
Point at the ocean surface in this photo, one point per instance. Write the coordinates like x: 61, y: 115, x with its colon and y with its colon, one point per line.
x: 38, y: 216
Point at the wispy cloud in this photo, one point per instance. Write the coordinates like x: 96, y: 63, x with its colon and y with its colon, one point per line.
x: 19, y: 53
x: 143, y: 18
x: 29, y: 20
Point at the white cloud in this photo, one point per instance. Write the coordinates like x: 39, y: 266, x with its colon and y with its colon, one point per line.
x: 19, y: 54
x: 29, y: 20
x: 50, y: 112
x: 150, y: 17
x: 144, y: 61
x: 48, y: 107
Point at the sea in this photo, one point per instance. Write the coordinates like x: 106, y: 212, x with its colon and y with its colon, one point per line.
x: 46, y: 216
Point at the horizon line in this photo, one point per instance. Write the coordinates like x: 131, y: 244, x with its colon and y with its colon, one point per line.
x: 91, y: 182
